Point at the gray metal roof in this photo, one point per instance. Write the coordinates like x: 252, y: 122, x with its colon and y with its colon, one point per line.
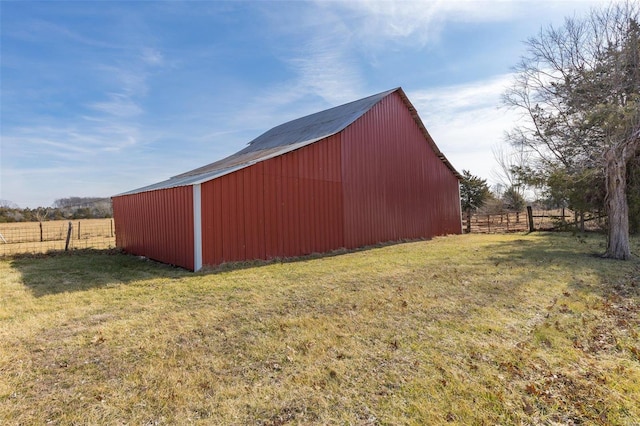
x: 299, y: 132
x: 288, y: 137
x: 315, y: 126
x: 219, y: 168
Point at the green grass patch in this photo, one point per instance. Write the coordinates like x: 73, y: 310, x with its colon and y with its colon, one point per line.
x: 471, y: 329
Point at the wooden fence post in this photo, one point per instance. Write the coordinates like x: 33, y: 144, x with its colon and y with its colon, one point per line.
x: 40, y: 231
x: 78, y: 229
x: 111, y: 223
x: 66, y: 246
x: 530, y: 215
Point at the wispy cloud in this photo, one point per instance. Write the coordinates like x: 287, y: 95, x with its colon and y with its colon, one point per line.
x: 144, y: 90
x: 151, y: 56
x: 332, y: 38
x: 128, y: 79
x: 326, y: 70
x: 414, y: 22
x: 118, y: 105
x: 75, y: 144
x: 40, y: 30
x: 458, y: 99
x: 467, y: 121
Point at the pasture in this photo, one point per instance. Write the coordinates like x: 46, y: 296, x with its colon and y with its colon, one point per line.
x: 470, y: 329
x: 41, y: 237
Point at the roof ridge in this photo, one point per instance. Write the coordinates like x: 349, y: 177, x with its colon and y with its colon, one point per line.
x: 295, y: 134
x: 385, y: 93
x: 299, y: 132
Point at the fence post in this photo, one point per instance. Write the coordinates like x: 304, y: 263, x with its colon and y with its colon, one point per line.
x: 40, y: 231
x: 66, y: 246
x: 111, y: 223
x: 530, y: 215
x: 78, y: 229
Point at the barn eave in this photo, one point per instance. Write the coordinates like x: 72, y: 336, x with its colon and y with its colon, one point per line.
x: 196, y: 179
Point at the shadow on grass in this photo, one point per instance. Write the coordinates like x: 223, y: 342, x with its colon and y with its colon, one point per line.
x: 235, y: 266
x: 79, y: 270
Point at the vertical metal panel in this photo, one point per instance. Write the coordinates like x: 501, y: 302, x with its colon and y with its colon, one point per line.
x: 212, y: 223
x: 157, y: 224
x: 271, y: 233
x: 395, y: 186
x: 285, y: 206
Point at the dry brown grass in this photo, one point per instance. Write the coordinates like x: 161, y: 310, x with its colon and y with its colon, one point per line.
x: 25, y: 237
x: 473, y: 329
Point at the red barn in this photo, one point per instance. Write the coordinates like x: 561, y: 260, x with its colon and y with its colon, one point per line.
x: 354, y: 175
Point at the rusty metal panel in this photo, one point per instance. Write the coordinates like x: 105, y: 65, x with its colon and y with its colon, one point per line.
x: 157, y: 224
x: 395, y: 186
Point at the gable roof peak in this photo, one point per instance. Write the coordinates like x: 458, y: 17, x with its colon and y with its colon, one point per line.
x: 317, y: 125
x: 293, y: 135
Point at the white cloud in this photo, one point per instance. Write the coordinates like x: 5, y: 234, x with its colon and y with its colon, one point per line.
x: 332, y: 38
x: 115, y: 140
x: 466, y: 121
x: 118, y: 105
x: 415, y: 22
x: 325, y: 69
x: 151, y: 56
x: 463, y: 97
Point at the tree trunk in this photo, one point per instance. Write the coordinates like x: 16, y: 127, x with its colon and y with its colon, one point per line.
x: 468, y: 221
x: 617, y: 207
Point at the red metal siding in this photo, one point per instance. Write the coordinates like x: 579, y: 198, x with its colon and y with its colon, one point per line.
x: 157, y: 224
x: 378, y: 180
x: 395, y: 186
x: 289, y: 205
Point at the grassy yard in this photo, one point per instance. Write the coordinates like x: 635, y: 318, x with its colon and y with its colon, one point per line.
x: 471, y: 329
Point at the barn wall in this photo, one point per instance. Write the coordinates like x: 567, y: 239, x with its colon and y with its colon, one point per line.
x: 395, y: 186
x: 157, y: 224
x: 289, y: 205
x: 378, y: 180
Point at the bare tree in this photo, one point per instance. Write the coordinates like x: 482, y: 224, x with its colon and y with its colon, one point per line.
x: 578, y: 88
x: 8, y: 204
x: 510, y: 166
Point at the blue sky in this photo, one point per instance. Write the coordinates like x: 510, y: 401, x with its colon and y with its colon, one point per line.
x: 98, y: 98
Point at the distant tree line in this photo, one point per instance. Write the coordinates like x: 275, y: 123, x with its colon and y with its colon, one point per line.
x: 63, y: 208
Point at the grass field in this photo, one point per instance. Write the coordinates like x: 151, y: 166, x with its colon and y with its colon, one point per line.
x: 471, y: 329
x: 41, y: 237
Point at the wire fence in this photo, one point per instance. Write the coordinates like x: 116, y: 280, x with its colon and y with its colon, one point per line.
x: 41, y: 237
x: 541, y: 220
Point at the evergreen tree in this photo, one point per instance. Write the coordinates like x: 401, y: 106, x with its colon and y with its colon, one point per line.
x: 474, y: 191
